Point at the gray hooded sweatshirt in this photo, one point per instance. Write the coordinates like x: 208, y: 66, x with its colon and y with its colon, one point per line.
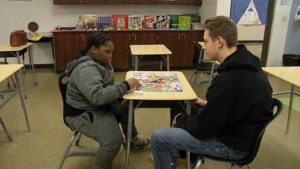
x: 91, y: 85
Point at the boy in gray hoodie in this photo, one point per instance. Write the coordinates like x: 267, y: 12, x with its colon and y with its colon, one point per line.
x: 96, y: 102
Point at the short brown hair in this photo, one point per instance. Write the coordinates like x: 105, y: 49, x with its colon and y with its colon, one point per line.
x: 224, y: 27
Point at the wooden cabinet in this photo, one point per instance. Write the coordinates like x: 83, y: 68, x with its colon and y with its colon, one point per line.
x: 69, y: 44
x: 67, y: 47
x: 180, y: 2
x: 175, y: 2
x: 130, y: 1
x: 181, y: 45
x: 78, y: 1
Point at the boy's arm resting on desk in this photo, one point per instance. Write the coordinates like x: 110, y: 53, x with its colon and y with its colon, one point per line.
x: 208, y: 121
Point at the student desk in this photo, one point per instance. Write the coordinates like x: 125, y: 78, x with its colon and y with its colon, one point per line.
x: 187, y: 94
x: 7, y: 71
x: 149, y: 50
x: 45, y: 37
x: 15, y: 51
x: 290, y: 75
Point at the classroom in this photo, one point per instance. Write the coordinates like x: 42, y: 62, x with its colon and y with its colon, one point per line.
x: 157, y: 50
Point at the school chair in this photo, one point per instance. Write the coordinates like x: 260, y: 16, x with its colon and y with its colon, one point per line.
x: 149, y: 59
x: 201, y: 66
x: 277, y: 108
x: 62, y: 82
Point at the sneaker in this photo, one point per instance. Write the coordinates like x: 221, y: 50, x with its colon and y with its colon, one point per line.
x: 139, y: 143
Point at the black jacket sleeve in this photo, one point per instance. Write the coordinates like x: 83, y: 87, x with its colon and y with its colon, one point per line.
x: 210, y: 120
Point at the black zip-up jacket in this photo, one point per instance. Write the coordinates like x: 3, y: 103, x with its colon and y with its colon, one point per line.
x: 238, y: 103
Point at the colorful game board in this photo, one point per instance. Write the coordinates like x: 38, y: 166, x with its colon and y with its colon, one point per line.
x: 154, y: 82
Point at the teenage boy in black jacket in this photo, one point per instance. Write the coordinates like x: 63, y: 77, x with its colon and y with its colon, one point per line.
x: 237, y: 107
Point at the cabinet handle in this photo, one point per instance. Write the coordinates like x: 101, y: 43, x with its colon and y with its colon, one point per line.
x: 157, y: 37
x: 134, y: 35
x: 80, y: 2
x: 132, y: 2
x: 183, y: 35
x: 179, y: 36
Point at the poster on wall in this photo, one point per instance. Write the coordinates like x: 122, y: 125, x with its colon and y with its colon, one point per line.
x: 249, y: 12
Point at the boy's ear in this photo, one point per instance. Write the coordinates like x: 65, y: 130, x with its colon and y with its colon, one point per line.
x: 220, y: 41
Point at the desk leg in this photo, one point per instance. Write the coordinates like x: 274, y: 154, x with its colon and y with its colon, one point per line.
x: 168, y: 63
x: 136, y: 62
x: 188, y: 154
x: 32, y: 66
x: 5, y: 130
x: 129, y: 129
x: 290, y: 108
x: 22, y: 74
x: 17, y: 74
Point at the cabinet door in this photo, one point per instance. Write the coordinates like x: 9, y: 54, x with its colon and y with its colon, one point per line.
x: 172, y: 41
x: 78, y: 1
x: 167, y: 1
x: 115, y: 1
x: 141, y: 38
x: 186, y: 42
x: 120, y: 56
x: 68, y: 47
x: 190, y: 2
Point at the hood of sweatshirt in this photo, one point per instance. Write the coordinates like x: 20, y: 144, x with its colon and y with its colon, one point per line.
x: 71, y: 65
x: 240, y: 59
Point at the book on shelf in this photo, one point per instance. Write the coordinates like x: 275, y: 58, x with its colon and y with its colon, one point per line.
x: 104, y: 22
x: 184, y: 22
x: 174, y: 21
x: 120, y: 22
x: 135, y: 22
x: 149, y: 21
x: 162, y: 22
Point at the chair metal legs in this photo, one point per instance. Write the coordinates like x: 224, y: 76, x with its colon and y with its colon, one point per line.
x: 78, y: 139
x: 69, y: 153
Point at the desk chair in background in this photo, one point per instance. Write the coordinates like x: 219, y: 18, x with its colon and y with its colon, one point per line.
x: 62, y: 83
x: 201, y: 66
x: 276, y: 108
x: 144, y: 59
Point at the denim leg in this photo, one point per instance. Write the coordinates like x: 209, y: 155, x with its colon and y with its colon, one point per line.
x: 103, y: 128
x: 165, y: 140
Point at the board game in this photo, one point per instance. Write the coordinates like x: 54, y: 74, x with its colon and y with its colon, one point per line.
x: 154, y: 82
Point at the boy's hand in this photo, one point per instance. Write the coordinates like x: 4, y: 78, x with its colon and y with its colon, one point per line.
x: 199, y: 102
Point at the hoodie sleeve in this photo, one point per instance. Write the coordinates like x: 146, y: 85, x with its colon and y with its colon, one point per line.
x: 210, y: 120
x: 89, y: 82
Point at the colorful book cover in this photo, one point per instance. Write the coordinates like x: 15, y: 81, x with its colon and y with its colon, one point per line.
x: 184, y: 22
x: 104, y: 22
x: 162, y: 22
x: 149, y: 21
x: 135, y: 22
x: 174, y: 21
x: 120, y: 21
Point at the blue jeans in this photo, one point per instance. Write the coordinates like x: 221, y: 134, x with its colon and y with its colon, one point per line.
x: 166, y: 141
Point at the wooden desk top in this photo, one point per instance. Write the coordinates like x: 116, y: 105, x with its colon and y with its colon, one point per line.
x: 289, y: 74
x: 156, y: 49
x: 187, y: 93
x: 7, y: 70
x: 5, y: 47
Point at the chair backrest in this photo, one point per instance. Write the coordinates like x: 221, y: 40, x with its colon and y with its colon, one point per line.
x: 128, y: 51
x: 62, y: 84
x: 198, y: 53
x: 276, y: 108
